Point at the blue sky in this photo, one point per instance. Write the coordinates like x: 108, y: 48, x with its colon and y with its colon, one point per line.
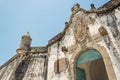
x: 42, y: 18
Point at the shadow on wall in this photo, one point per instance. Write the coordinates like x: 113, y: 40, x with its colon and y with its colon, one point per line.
x: 22, y: 68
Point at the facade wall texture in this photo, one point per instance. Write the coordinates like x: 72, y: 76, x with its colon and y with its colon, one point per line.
x: 95, y: 29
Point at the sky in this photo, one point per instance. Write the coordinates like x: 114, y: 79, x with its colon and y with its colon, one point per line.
x: 43, y: 19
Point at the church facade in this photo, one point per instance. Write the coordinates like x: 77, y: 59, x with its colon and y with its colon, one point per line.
x: 87, y: 49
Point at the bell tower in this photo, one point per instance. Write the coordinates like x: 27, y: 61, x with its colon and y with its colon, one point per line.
x: 25, y: 44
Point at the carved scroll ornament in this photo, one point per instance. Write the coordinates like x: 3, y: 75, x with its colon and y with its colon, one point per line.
x: 80, y: 30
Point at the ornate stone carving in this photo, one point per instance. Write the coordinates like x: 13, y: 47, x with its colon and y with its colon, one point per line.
x: 80, y: 30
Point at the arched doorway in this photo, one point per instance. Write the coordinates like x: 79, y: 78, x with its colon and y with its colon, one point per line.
x: 90, y: 66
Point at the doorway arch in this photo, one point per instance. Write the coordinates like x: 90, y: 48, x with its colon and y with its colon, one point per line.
x: 105, y: 56
x: 90, y: 65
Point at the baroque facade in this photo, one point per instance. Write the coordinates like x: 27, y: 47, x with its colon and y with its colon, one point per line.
x: 87, y: 49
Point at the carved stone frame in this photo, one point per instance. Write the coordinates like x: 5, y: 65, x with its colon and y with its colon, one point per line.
x: 105, y: 56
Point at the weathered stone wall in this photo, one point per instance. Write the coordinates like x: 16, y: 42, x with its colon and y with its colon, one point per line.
x: 37, y: 67
x: 7, y: 71
x: 94, y: 29
x: 29, y: 67
x: 111, y: 21
x: 87, y: 31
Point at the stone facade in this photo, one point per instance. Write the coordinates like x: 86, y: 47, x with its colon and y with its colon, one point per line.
x: 97, y: 29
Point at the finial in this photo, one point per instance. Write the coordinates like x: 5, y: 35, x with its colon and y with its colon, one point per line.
x: 75, y: 8
x: 78, y: 5
x: 66, y: 23
x: 92, y: 7
x: 27, y: 34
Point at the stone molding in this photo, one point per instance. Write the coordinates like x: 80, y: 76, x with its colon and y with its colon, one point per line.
x: 105, y: 55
